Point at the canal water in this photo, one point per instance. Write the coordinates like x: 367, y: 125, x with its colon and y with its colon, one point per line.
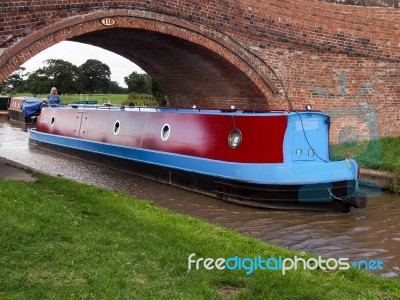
x: 370, y: 233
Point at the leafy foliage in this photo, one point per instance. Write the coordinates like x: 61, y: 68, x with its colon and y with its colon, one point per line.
x: 92, y: 77
x: 144, y: 84
x: 380, y: 154
x: 135, y: 99
x: 114, y: 88
x: 15, y: 83
x: 158, y: 94
x: 139, y: 83
x: 96, y: 76
x: 64, y: 75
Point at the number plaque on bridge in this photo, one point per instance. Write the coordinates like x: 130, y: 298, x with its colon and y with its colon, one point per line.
x: 107, y: 21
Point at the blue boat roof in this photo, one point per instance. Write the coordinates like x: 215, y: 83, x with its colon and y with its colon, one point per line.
x: 249, y: 112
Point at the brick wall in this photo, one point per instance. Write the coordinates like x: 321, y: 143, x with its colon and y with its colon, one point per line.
x: 343, y: 59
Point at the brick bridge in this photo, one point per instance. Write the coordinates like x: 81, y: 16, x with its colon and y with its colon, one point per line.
x: 343, y: 59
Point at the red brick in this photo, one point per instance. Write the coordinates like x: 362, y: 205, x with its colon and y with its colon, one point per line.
x: 330, y: 55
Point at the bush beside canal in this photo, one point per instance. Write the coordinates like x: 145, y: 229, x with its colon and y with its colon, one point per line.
x: 382, y: 154
x: 61, y: 239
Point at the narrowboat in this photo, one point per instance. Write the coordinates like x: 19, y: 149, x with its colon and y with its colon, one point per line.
x: 24, y: 110
x: 261, y: 158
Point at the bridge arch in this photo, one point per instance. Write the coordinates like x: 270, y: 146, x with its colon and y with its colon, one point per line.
x: 192, y: 62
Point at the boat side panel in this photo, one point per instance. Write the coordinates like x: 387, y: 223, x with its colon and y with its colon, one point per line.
x: 199, y: 135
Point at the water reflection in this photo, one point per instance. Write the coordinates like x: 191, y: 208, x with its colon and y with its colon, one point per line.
x: 370, y: 233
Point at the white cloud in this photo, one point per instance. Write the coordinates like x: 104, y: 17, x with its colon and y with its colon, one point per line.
x: 78, y: 53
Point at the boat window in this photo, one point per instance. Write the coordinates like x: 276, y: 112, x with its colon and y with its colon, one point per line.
x: 165, y: 132
x: 117, y: 127
x: 53, y: 119
x: 235, y: 138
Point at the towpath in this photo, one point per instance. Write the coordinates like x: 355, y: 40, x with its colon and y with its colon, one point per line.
x: 12, y: 170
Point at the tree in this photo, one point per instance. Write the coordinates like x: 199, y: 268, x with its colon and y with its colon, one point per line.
x: 158, y: 93
x: 116, y: 89
x: 139, y: 83
x: 96, y: 76
x: 144, y: 84
x: 15, y: 82
x: 38, y: 83
x: 59, y: 73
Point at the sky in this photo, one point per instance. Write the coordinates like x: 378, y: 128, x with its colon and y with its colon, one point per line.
x: 78, y: 53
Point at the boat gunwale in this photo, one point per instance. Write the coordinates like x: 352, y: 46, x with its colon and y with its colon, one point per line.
x: 196, y: 111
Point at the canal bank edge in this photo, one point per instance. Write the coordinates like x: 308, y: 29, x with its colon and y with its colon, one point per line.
x: 12, y: 170
x: 385, y: 180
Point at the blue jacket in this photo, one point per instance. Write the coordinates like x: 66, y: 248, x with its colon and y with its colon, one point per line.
x: 53, y: 99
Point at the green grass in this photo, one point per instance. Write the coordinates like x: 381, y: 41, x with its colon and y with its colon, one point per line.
x: 138, y: 99
x: 383, y: 154
x: 63, y: 240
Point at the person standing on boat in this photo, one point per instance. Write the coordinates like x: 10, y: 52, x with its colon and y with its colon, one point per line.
x: 53, y: 98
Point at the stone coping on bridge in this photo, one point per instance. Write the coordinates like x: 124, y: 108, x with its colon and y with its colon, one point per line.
x: 369, y: 3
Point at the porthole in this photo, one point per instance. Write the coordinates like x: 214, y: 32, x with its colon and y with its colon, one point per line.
x: 53, y: 119
x: 117, y: 127
x: 165, y: 132
x: 235, y: 138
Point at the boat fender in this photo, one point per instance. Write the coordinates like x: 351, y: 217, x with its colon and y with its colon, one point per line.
x: 359, y: 199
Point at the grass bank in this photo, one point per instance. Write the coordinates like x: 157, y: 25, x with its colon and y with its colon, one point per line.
x: 138, y: 99
x: 382, y: 154
x: 65, y: 240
